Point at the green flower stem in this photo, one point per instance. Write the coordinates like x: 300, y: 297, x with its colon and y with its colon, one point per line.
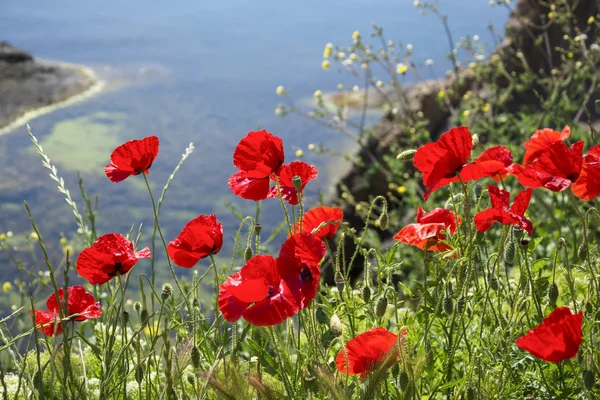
x: 185, y: 297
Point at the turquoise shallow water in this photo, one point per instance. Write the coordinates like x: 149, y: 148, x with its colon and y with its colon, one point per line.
x: 189, y: 71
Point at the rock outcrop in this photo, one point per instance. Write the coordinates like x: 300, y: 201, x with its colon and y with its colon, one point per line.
x: 27, y: 84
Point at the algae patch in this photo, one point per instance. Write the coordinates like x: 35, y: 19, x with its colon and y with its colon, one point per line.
x: 85, y: 143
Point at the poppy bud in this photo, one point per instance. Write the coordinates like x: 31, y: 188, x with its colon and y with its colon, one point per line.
x: 248, y: 254
x: 125, y: 317
x: 404, y: 380
x: 167, y: 290
x: 339, y: 283
x: 137, y: 306
x: 195, y: 356
x: 406, y: 155
x: 297, y: 182
x: 383, y: 221
x: 589, y: 379
x: 478, y: 191
x: 335, y: 324
x: 366, y: 294
x: 144, y: 316
x: 139, y: 374
x: 493, y: 281
x: 381, y: 306
x: 321, y: 316
x: 509, y: 251
x: 552, y: 293
x: 582, y: 251
x: 475, y: 140
x: 191, y: 379
x: 448, y: 305
x: 588, y: 307
x: 524, y: 305
x: 460, y: 304
x: 524, y: 242
x: 395, y: 370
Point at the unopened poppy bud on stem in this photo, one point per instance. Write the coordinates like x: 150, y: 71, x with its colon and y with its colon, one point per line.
x: 297, y: 182
x: 248, y: 253
x: 383, y: 220
x: 195, y: 356
x: 167, y: 290
x: 475, y: 140
x: 366, y: 294
x: 335, y: 325
x: 553, y: 293
x: 381, y: 306
x: 406, y: 155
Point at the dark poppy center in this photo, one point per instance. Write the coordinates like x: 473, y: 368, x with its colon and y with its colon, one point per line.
x: 455, y: 172
x: 305, y: 274
x: 270, y: 292
x: 117, y: 269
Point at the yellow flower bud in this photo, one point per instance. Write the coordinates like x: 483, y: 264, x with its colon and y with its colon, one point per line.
x: 312, y: 147
x: 280, y: 90
x: 466, y: 113
x: 6, y: 287
x: 401, y: 69
x: 63, y: 241
x: 328, y: 50
x: 325, y: 64
x: 318, y: 94
x: 2, y: 237
x: 550, y: 15
x: 591, y: 20
x: 570, y: 54
x: 441, y: 94
x: 299, y: 153
x: 401, y: 190
x: 486, y: 107
x: 355, y: 35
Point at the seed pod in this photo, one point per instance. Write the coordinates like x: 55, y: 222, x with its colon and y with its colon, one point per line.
x: 404, y: 380
x: 195, y: 357
x: 589, y: 379
x: 582, y: 252
x: 137, y: 306
x: 448, y: 304
x: 406, y: 155
x: 552, y: 293
x: 339, y: 283
x: 366, y: 294
x: 518, y: 232
x: 144, y: 316
x: 125, y: 317
x: 474, y: 141
x: 297, y: 182
x: 167, y: 291
x: 248, y: 254
x: 395, y: 370
x: 335, y: 324
x: 509, y: 251
x: 524, y: 242
x: 139, y: 374
x: 381, y: 306
x: 321, y: 316
x: 460, y: 304
x: 383, y: 221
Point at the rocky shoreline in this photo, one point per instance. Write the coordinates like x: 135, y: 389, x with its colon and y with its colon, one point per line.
x: 30, y: 87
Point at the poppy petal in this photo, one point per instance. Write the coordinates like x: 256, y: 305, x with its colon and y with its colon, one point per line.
x: 327, y: 218
x: 259, y: 154
x: 132, y: 158
x: 200, y: 238
x: 249, y: 188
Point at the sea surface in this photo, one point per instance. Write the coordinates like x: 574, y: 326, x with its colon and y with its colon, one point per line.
x: 190, y: 71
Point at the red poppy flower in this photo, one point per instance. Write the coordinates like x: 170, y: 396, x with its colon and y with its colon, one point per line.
x: 495, y: 162
x: 109, y: 256
x: 587, y: 186
x: 257, y: 293
x: 298, y: 265
x: 555, y: 168
x: 427, y: 234
x: 330, y: 217
x: 81, y: 305
x: 557, y: 338
x: 257, y: 156
x: 445, y: 158
x: 541, y: 140
x: 287, y: 172
x: 132, y: 158
x: 200, y: 238
x: 500, y: 211
x: 267, y: 291
x: 366, y: 352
